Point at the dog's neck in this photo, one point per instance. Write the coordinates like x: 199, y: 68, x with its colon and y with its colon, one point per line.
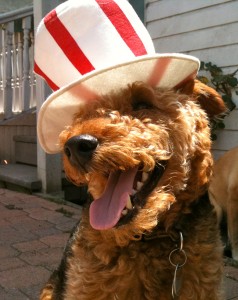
x: 180, y: 225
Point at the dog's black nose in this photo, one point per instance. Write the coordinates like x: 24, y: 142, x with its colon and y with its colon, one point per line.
x: 80, y: 148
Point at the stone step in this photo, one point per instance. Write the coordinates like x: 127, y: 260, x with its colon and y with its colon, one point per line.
x: 25, y: 149
x: 21, y: 175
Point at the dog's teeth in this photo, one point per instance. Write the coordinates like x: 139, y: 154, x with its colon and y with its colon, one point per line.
x: 129, y: 204
x: 139, y: 185
x: 124, y: 212
x: 133, y: 192
x: 145, y: 176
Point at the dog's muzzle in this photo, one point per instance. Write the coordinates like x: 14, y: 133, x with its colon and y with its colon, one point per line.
x: 80, y: 148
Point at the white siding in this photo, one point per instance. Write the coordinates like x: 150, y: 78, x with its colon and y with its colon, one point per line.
x: 206, y: 29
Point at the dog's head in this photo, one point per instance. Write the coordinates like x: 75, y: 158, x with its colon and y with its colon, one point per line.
x: 141, y: 152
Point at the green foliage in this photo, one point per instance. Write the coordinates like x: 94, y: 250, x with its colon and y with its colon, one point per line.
x: 224, y: 84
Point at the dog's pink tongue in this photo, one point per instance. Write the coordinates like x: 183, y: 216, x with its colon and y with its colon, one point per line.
x: 105, y: 212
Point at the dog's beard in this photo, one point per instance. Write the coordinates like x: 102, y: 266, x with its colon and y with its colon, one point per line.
x: 125, y: 193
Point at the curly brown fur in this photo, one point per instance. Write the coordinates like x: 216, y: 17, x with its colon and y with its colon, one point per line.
x: 165, y: 134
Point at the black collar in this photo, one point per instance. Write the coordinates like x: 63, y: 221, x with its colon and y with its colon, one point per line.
x: 198, y: 209
x: 159, y: 233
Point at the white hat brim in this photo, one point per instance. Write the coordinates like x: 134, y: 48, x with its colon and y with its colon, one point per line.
x: 159, y: 70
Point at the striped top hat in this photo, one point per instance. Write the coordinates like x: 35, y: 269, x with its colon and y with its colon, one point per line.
x: 86, y: 48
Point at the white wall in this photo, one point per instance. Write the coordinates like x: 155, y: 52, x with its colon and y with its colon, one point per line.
x: 10, y: 5
x: 207, y: 29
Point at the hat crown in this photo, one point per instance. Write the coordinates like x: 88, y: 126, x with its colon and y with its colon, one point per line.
x: 81, y: 36
x: 88, y: 48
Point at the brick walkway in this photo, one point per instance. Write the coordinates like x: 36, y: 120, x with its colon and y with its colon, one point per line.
x: 33, y: 232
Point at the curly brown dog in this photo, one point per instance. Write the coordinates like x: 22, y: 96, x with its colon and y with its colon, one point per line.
x: 223, y: 192
x: 148, y: 230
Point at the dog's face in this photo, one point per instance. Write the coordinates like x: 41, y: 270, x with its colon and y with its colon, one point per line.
x: 141, y: 152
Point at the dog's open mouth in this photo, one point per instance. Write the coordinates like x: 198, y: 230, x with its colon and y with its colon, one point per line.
x: 125, y: 193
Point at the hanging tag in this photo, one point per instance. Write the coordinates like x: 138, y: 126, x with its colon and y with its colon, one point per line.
x: 176, y: 286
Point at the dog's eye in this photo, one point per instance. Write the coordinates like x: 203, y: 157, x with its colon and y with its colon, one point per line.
x: 141, y: 105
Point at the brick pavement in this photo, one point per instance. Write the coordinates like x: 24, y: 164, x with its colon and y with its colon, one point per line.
x: 33, y: 233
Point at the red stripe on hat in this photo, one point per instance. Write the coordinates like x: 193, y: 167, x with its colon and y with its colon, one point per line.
x: 84, y: 92
x: 123, y: 26
x: 38, y: 71
x: 67, y: 43
x: 158, y: 71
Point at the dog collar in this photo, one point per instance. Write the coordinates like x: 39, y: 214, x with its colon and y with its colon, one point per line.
x: 158, y: 233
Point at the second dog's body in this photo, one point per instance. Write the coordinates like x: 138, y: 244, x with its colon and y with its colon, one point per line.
x: 223, y: 192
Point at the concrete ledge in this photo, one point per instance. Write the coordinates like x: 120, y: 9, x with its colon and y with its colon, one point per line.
x: 20, y: 175
x: 25, y: 149
x: 31, y: 139
x: 27, y: 118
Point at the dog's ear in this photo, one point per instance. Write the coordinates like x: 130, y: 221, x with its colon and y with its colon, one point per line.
x: 140, y: 92
x: 207, y: 97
